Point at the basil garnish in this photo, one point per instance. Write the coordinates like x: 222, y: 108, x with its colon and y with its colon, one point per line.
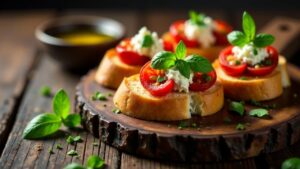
x: 259, y: 112
x: 147, y: 41
x: 197, y: 18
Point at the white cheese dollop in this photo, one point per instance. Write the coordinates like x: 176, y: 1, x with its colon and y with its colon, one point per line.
x: 203, y: 34
x: 137, y: 41
x: 247, y: 54
x: 181, y: 83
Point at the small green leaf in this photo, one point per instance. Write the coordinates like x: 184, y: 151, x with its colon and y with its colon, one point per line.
x: 197, y: 18
x: 72, y: 153
x: 59, y: 146
x: 77, y: 139
x: 240, y: 126
x: 74, y: 166
x: 72, y: 120
x: 50, y: 151
x: 41, y: 126
x: 263, y: 40
x: 147, y: 41
x: 161, y: 79
x: 116, y: 111
x: 199, y: 64
x: 237, y: 107
x: 45, y: 91
x: 99, y: 96
x: 259, y: 112
x: 95, y: 162
x: 72, y: 140
x: 237, y: 38
x: 183, y: 67
x: 163, y: 60
x: 180, y: 50
x: 291, y: 163
x: 182, y: 125
x: 61, y: 104
x: 249, y: 26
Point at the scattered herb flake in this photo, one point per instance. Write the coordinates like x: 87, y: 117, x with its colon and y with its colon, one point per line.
x: 116, y: 111
x: 194, y: 125
x: 240, y: 126
x: 243, y: 78
x: 237, y: 107
x: 259, y: 112
x: 72, y: 153
x: 50, y: 150
x: 110, y: 94
x: 147, y: 41
x: 99, y: 96
x: 45, y: 91
x: 58, y: 146
x: 182, y: 125
x: 160, y: 79
x: 95, y: 144
x: 72, y: 140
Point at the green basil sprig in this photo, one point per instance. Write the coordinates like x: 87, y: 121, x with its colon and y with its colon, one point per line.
x: 93, y: 162
x: 197, y: 18
x: 48, y: 123
x: 147, y: 41
x: 185, y: 65
x: 238, y: 38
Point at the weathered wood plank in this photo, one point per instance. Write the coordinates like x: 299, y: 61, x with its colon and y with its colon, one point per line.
x: 17, y: 56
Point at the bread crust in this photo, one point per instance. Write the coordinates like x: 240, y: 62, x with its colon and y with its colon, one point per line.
x: 112, y: 70
x: 211, y: 53
x: 257, y: 88
x: 133, y: 100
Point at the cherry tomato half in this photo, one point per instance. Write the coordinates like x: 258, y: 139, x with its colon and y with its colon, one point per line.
x: 168, y: 46
x: 128, y: 56
x: 232, y: 70
x: 221, y: 30
x: 148, y: 77
x: 202, y: 82
x: 272, y: 62
x: 177, y: 31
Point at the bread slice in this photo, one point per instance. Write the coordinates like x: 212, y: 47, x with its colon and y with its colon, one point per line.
x: 282, y: 67
x: 112, y: 70
x: 133, y: 100
x: 258, y: 88
x: 211, y: 53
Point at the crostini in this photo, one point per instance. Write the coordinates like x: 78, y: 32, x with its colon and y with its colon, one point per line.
x: 249, y: 69
x: 127, y: 58
x: 201, y: 34
x: 171, y: 87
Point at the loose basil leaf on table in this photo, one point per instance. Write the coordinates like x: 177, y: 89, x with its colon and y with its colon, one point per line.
x: 61, y: 104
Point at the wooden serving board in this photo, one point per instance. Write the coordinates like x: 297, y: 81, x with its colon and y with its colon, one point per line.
x: 212, y: 138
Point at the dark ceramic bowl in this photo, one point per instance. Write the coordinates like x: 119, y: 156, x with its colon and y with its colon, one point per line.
x: 73, y: 56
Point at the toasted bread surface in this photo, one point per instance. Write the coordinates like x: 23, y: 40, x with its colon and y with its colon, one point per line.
x: 258, y: 88
x: 112, y: 70
x: 133, y: 100
x: 211, y: 53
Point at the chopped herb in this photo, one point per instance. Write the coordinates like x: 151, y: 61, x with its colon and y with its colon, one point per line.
x: 160, y: 79
x: 110, y: 94
x: 99, y: 96
x: 58, y: 146
x: 45, y: 91
x: 147, y: 41
x: 194, y: 125
x: 50, y: 150
x: 116, y: 111
x: 72, y: 153
x: 237, y: 107
x: 259, y: 112
x: 243, y: 78
x: 240, y: 126
x: 197, y: 18
x: 268, y: 62
x: 237, y: 62
x: 259, y: 104
x: 255, y: 51
x: 205, y: 77
x: 72, y: 140
x: 182, y: 125
x: 95, y: 144
x: 227, y: 120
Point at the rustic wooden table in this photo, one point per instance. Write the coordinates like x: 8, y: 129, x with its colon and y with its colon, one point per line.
x: 24, y: 69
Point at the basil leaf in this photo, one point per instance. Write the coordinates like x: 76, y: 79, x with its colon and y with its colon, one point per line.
x: 72, y: 153
x: 183, y: 67
x: 41, y: 126
x: 163, y: 60
x: 180, y: 50
x: 249, y: 26
x: 45, y: 91
x: 259, y: 112
x: 95, y: 162
x: 147, y: 41
x: 263, y: 40
x: 240, y: 126
x: 199, y: 64
x: 196, y: 18
x: 74, y: 166
x: 291, y: 163
x: 237, y: 107
x: 237, y: 38
x: 72, y: 120
x: 61, y: 104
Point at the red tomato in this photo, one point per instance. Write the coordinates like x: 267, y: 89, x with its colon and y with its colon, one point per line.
x: 128, y: 56
x: 221, y: 30
x: 176, y: 30
x: 148, y: 77
x: 264, y: 70
x: 168, y: 46
x: 202, y: 82
x: 232, y: 70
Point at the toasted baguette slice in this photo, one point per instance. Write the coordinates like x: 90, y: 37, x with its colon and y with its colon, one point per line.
x: 133, y: 100
x: 211, y: 53
x: 258, y: 88
x: 112, y: 70
x: 282, y: 67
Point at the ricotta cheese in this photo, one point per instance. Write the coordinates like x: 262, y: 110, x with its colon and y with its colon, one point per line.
x: 137, y: 42
x: 248, y: 55
x: 202, y: 33
x: 181, y: 83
